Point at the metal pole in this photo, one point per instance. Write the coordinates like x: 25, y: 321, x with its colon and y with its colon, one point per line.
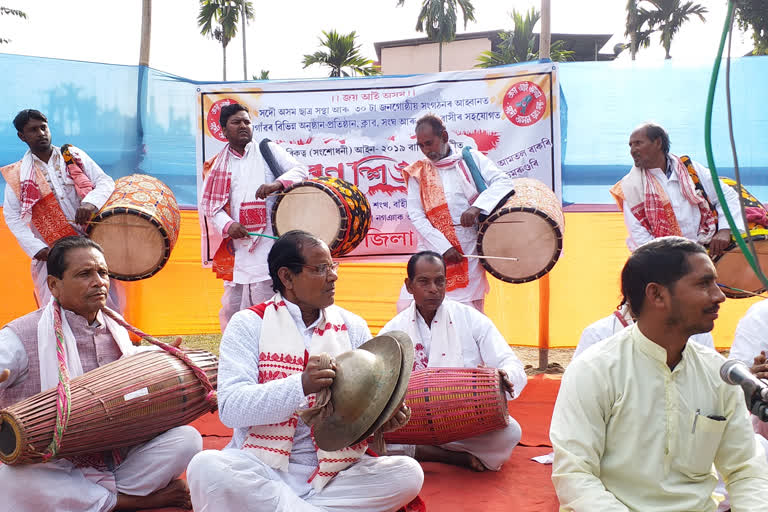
x: 146, y: 30
x: 245, y: 61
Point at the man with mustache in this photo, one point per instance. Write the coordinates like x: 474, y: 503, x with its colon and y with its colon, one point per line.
x: 269, y: 367
x: 667, y: 195
x: 643, y: 420
x: 47, y: 199
x: 446, y: 333
x: 444, y: 205
x: 237, y: 182
x: 141, y: 476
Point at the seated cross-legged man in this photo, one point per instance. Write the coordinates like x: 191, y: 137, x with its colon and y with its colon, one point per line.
x: 139, y: 477
x: 270, y: 368
x: 446, y: 333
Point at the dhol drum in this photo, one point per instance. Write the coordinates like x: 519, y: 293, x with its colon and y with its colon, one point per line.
x: 332, y: 209
x: 137, y: 227
x: 732, y: 268
x: 528, y: 226
x: 450, y: 404
x: 123, y: 403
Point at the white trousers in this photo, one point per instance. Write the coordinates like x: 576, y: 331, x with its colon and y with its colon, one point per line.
x: 115, y: 299
x: 492, y: 448
x: 59, y: 486
x: 233, y: 479
x: 237, y: 297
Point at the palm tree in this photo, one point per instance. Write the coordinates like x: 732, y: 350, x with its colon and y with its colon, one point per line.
x: 342, y: 54
x: 519, y: 45
x: 246, y: 14
x: 264, y: 75
x: 218, y: 19
x: 10, y: 12
x: 637, y: 28
x: 668, y: 16
x: 438, y: 19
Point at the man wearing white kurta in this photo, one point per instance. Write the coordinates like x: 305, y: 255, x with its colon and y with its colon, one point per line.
x: 618, y: 320
x: 446, y: 333
x: 235, y: 200
x: 141, y: 476
x: 42, y: 172
x: 659, y: 198
x: 642, y: 420
x: 443, y: 178
x: 269, y: 368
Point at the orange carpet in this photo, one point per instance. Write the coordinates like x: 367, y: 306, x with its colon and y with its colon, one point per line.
x: 522, y: 485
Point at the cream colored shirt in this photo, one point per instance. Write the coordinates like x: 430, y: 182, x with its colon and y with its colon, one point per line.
x: 629, y: 434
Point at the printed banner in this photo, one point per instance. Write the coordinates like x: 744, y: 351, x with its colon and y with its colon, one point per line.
x: 362, y: 131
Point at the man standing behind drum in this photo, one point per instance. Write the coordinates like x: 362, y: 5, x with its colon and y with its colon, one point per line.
x: 659, y: 197
x: 444, y: 205
x: 446, y: 333
x: 233, y: 200
x: 142, y: 476
x: 46, y: 199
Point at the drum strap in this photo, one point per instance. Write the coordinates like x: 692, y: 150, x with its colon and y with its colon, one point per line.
x: 686, y: 160
x: 266, y: 152
x: 466, y: 154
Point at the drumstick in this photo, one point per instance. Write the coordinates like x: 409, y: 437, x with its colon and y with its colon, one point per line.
x: 262, y: 234
x: 721, y: 285
x: 491, y: 257
x: 113, y: 223
x: 501, y: 222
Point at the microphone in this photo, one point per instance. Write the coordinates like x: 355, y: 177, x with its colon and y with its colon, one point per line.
x: 755, y: 390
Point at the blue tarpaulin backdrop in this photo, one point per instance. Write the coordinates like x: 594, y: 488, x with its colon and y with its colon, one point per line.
x: 97, y: 106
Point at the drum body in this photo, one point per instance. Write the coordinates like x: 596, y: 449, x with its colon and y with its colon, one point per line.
x: 123, y: 403
x: 137, y: 227
x: 450, y: 404
x: 332, y: 209
x: 528, y: 226
x: 732, y: 267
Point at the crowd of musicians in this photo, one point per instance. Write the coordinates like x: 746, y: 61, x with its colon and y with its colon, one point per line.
x: 642, y: 421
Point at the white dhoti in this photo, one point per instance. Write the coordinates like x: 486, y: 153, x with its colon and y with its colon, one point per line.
x: 61, y: 486
x: 115, y: 299
x: 238, y: 296
x: 233, y: 479
x: 492, y: 448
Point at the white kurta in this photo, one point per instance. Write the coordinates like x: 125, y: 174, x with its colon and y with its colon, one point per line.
x: 610, y: 325
x: 63, y: 187
x: 430, y: 238
x: 248, y: 173
x: 688, y: 215
x: 234, y: 479
x: 481, y: 345
x: 750, y: 336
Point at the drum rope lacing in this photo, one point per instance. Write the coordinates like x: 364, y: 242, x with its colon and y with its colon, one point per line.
x: 63, y: 392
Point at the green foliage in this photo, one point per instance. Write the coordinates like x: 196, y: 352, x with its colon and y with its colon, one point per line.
x: 342, y: 55
x: 753, y: 14
x: 5, y: 11
x: 438, y: 18
x: 264, y: 75
x: 218, y: 19
x: 645, y: 17
x: 519, y: 44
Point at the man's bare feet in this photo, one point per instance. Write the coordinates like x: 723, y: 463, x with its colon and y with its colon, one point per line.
x: 175, y: 494
x: 437, y: 454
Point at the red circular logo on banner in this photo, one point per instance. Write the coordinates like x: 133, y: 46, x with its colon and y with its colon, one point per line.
x: 525, y: 103
x: 213, y: 118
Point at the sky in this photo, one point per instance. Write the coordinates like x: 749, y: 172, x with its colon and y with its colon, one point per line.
x: 283, y: 31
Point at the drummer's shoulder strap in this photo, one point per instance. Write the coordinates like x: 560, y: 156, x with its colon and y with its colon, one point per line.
x: 697, y: 183
x: 269, y: 157
x: 466, y: 154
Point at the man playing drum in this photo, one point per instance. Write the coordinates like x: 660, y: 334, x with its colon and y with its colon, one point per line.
x: 662, y: 196
x: 643, y: 419
x: 47, y: 199
x: 444, y: 205
x: 269, y: 367
x: 446, y: 333
x: 234, y: 200
x: 142, y: 476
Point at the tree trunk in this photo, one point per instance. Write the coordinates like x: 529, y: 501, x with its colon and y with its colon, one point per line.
x: 545, y: 37
x: 245, y: 58
x: 633, y: 30
x: 440, y: 56
x: 224, y: 60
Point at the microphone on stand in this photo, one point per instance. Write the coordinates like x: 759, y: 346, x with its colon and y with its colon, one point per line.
x: 755, y: 390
